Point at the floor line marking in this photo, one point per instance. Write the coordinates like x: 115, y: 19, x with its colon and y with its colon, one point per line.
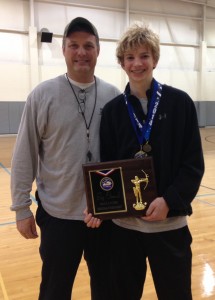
x: 7, y: 223
x: 4, y: 168
x: 3, y: 288
x: 7, y: 171
x: 205, y: 195
x: 206, y: 202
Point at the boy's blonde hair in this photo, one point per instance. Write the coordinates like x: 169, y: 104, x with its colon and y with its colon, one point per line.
x: 135, y: 37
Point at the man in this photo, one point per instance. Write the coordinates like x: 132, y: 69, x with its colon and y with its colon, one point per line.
x: 158, y: 121
x: 58, y: 133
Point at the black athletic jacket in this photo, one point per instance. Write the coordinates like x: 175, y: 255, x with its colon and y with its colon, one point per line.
x: 175, y: 140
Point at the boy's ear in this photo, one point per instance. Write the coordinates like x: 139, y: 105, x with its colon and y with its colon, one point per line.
x: 122, y: 64
x: 155, y: 64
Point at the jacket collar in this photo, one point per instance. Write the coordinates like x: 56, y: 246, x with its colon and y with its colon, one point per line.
x: 148, y: 92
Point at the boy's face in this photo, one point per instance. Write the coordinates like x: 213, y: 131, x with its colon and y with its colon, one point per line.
x: 139, y: 64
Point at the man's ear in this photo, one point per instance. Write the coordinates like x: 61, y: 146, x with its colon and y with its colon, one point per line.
x: 98, y: 51
x: 63, y: 50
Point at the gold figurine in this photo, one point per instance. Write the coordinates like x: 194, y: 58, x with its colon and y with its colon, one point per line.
x: 139, y: 205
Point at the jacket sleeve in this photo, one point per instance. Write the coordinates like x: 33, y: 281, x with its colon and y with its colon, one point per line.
x: 188, y: 176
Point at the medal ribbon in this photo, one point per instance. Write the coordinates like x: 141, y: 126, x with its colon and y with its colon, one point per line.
x: 105, y: 172
x: 145, y: 129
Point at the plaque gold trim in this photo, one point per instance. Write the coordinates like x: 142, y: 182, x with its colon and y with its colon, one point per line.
x: 108, y: 210
x: 120, y: 188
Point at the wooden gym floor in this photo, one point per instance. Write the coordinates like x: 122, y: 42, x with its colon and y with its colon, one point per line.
x: 19, y: 258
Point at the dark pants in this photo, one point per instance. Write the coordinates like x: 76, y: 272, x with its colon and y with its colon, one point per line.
x: 169, y: 256
x: 62, y: 244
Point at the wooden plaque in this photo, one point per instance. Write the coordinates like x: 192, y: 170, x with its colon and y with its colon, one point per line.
x: 120, y: 188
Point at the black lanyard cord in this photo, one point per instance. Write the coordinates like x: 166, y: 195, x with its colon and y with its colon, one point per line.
x: 89, y: 154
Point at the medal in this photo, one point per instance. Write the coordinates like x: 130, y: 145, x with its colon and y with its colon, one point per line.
x: 140, y: 154
x: 144, y: 150
x: 147, y: 148
x: 143, y: 130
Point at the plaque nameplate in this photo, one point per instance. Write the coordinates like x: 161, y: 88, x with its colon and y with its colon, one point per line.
x: 120, y: 188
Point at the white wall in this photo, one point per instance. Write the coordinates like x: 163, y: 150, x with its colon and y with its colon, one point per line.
x: 25, y: 61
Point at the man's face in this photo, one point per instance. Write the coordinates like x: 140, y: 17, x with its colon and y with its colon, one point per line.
x: 81, y: 51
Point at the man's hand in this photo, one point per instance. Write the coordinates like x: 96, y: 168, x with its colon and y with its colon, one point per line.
x: 157, y: 210
x: 27, y: 228
x: 91, y: 221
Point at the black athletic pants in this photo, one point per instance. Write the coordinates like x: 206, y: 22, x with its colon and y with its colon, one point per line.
x: 170, y: 258
x: 62, y: 244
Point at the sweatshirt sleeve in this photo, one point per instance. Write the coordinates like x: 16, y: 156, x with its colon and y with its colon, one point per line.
x: 107, y: 135
x: 25, y: 161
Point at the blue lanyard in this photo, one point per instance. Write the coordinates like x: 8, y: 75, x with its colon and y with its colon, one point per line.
x: 145, y: 129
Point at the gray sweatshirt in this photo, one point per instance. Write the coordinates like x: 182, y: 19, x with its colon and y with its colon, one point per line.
x: 52, y: 145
